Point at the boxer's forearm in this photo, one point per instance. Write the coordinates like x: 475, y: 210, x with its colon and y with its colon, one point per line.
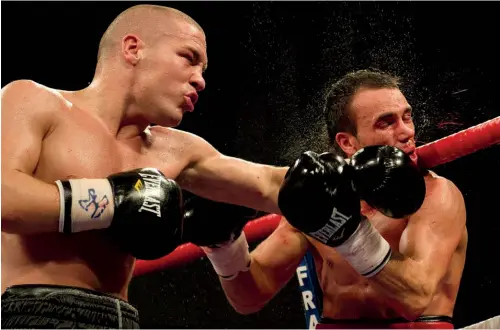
x: 235, y: 181
x: 29, y: 206
x: 248, y: 292
x: 260, y: 185
x: 403, y: 282
x: 264, y: 272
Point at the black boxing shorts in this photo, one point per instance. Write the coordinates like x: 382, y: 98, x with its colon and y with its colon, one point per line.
x: 53, y: 306
x: 423, y: 322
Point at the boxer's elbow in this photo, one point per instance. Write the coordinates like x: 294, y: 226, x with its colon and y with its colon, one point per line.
x: 8, y: 222
x: 12, y: 221
x: 249, y: 302
x: 10, y: 218
x: 247, y: 308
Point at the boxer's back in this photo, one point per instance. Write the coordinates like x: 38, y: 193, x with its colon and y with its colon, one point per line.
x: 78, y: 145
x: 347, y: 295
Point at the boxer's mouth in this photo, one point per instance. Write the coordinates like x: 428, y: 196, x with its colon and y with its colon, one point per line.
x: 188, y: 104
x: 413, y: 155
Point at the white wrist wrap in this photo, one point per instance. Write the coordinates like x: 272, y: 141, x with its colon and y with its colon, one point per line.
x: 85, y: 204
x: 366, y: 250
x: 230, y: 259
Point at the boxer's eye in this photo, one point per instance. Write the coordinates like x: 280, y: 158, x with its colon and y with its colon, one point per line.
x: 189, y: 57
x: 385, y: 120
x: 382, y: 124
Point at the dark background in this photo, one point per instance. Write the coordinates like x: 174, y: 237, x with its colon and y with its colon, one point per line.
x: 270, y: 63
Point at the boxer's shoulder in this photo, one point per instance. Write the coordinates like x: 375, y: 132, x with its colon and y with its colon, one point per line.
x: 169, y: 132
x: 439, y: 185
x: 32, y: 96
x: 442, y: 195
x: 23, y: 86
x: 169, y: 138
x: 27, y: 89
x: 179, y: 149
x: 188, y: 143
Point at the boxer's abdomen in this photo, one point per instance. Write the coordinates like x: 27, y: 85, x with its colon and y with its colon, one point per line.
x: 353, y: 302
x: 354, y: 298
x: 87, y: 260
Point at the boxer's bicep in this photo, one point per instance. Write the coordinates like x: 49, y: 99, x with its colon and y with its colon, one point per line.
x: 411, y: 278
x: 28, y: 205
x: 434, y: 233
x: 24, y: 125
x: 215, y: 176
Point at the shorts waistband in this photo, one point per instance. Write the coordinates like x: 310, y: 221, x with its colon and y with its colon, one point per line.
x: 25, y: 305
x: 44, y: 290
x: 424, y: 318
x: 423, y: 322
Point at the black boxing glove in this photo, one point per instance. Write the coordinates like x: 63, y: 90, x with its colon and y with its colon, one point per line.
x: 141, y: 209
x: 317, y: 197
x: 218, y: 229
x: 212, y: 224
x: 388, y: 180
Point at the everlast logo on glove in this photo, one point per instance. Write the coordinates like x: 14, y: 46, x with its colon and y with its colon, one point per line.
x: 337, y: 221
x: 153, y: 187
x: 317, y: 197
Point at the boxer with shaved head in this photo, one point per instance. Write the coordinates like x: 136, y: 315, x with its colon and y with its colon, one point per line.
x: 88, y: 184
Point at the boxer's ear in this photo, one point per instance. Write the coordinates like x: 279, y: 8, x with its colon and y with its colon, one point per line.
x: 367, y: 211
x: 131, y: 48
x: 347, y: 142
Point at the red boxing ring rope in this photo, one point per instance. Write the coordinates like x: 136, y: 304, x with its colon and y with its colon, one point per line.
x: 430, y: 155
x: 459, y: 144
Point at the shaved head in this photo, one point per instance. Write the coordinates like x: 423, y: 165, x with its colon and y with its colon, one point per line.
x: 154, y: 58
x: 148, y: 22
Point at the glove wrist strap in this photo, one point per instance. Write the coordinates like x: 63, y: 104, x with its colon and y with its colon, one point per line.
x: 85, y: 204
x: 366, y: 250
x: 230, y: 259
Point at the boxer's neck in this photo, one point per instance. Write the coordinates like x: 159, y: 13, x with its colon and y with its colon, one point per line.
x: 109, y: 97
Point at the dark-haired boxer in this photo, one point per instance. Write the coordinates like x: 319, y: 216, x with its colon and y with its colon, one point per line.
x: 388, y: 239
x: 87, y: 184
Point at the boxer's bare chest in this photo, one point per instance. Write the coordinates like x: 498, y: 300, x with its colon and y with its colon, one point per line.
x: 345, y: 293
x: 82, y: 147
